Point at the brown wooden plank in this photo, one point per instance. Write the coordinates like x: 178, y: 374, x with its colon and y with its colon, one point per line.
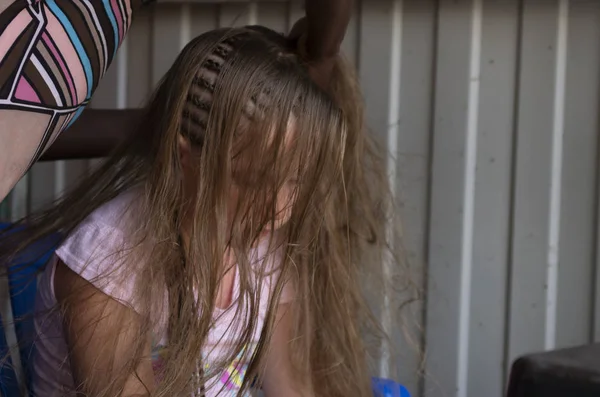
x: 94, y: 135
x: 227, y: 1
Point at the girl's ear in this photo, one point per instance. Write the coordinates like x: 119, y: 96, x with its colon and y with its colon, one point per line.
x: 185, y: 150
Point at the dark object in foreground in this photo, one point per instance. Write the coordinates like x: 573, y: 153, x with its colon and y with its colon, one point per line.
x: 573, y: 372
x: 95, y: 134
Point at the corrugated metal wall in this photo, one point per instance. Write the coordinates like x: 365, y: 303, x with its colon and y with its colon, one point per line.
x: 490, y: 108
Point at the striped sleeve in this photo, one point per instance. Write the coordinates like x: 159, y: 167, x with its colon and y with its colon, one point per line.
x: 53, y: 54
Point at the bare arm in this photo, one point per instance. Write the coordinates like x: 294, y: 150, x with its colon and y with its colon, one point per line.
x: 279, y: 379
x: 102, y: 335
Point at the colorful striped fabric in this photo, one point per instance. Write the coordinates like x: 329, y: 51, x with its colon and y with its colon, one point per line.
x: 53, y: 53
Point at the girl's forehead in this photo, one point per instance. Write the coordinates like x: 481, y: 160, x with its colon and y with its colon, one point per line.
x: 273, y: 154
x: 276, y: 136
x: 265, y: 138
x: 289, y: 132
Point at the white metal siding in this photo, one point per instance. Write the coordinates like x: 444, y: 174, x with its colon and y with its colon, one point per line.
x: 490, y: 111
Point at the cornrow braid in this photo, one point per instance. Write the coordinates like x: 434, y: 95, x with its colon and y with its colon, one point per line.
x: 200, y: 95
x: 199, y: 99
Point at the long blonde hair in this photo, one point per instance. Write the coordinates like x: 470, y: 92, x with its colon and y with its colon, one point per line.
x: 230, y: 94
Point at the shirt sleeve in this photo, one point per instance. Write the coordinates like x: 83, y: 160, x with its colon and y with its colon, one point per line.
x: 98, y: 251
x: 94, y: 252
x: 53, y: 54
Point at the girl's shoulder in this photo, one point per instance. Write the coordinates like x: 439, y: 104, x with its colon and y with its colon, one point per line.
x: 103, y: 231
x: 97, y: 249
x: 115, y: 215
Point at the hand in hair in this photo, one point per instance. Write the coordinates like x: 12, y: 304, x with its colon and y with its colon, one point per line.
x: 320, y: 34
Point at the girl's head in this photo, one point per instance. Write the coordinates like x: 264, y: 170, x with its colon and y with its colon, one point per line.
x: 238, y: 145
x: 238, y: 128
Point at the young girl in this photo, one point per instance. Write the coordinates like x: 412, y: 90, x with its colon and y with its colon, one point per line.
x: 222, y: 246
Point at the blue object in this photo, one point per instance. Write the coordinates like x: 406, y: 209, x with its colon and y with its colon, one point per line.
x: 388, y: 388
x: 22, y: 282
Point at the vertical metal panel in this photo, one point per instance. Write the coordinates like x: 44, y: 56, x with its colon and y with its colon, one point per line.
x: 489, y: 109
x: 378, y: 25
x: 204, y: 18
x: 139, y: 48
x: 577, y: 231
x: 453, y: 167
x: 529, y: 294
x: 414, y: 127
x: 167, y: 39
x: 493, y: 193
x: 273, y: 15
x: 390, y: 299
x: 42, y: 186
x: 237, y: 14
x: 556, y: 165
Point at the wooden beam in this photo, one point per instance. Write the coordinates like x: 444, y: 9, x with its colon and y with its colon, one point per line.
x: 95, y: 134
x: 227, y: 1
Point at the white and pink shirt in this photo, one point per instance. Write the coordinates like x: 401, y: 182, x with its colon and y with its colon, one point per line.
x: 92, y: 252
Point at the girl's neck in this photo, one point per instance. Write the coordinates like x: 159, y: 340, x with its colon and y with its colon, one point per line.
x: 226, y: 288
x: 229, y: 259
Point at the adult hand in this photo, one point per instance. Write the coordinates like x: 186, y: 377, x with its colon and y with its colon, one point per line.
x: 319, y: 35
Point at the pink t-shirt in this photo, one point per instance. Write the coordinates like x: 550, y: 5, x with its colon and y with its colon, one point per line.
x: 90, y: 252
